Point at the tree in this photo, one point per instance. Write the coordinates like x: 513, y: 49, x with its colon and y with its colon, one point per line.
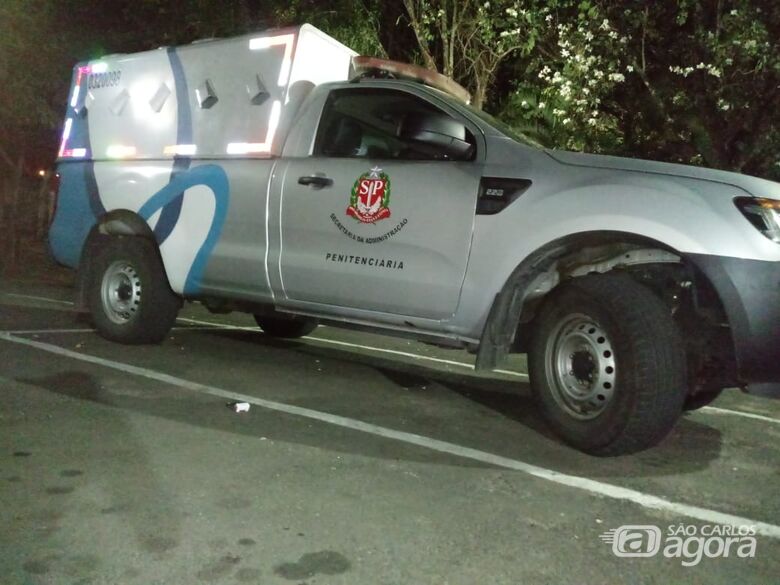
x: 361, y: 30
x: 30, y: 99
x: 691, y: 82
x: 468, y: 40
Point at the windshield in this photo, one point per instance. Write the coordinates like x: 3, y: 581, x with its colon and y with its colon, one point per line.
x: 502, y: 127
x: 493, y: 122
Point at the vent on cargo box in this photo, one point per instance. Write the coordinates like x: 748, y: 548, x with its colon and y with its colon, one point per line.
x: 118, y: 104
x: 159, y: 98
x: 258, y: 94
x: 206, y: 95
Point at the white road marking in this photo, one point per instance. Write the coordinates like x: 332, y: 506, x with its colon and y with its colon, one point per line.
x: 44, y: 299
x: 706, y: 409
x: 761, y: 417
x: 581, y: 483
x: 43, y: 331
x: 66, y: 331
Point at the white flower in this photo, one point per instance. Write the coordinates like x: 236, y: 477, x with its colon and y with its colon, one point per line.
x: 524, y: 104
x: 542, y: 105
x: 548, y: 18
x: 592, y: 121
x: 734, y: 12
x: 588, y: 36
x: 566, y: 121
x: 680, y: 71
x: 604, y: 24
x: 617, y: 77
x: 630, y: 68
x: 565, y: 53
x: 511, y: 12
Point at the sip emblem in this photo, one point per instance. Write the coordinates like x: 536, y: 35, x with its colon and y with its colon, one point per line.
x: 370, y: 198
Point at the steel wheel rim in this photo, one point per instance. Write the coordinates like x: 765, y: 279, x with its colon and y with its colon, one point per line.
x: 580, y: 366
x: 120, y: 292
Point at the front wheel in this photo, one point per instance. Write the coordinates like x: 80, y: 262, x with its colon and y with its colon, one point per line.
x: 607, y: 365
x: 130, y: 300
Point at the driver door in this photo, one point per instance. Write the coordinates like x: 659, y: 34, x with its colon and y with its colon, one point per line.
x: 376, y: 221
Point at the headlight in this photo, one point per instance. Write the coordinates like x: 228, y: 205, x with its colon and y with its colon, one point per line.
x: 763, y: 213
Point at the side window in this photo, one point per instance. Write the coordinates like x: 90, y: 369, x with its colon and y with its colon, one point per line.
x: 389, y: 124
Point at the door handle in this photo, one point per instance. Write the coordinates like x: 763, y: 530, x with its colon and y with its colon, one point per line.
x: 315, y: 181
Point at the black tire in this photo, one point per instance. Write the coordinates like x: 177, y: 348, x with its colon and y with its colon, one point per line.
x: 627, y: 406
x: 700, y: 400
x: 127, y: 266
x: 286, y: 327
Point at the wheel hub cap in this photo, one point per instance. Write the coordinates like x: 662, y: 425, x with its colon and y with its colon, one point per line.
x: 120, y: 292
x: 580, y: 365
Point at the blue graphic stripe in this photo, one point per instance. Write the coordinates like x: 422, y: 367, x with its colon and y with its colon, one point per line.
x: 214, y: 178
x: 75, y: 215
x: 171, y: 212
x: 78, y: 199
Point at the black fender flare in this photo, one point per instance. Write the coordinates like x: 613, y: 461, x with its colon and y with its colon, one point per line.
x: 504, y: 318
x: 119, y: 222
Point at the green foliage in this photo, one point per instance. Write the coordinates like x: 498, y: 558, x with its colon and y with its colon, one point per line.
x: 359, y: 30
x: 579, y: 62
x: 469, y: 39
x: 684, y: 81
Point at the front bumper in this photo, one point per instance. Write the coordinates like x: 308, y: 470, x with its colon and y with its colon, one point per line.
x: 750, y: 293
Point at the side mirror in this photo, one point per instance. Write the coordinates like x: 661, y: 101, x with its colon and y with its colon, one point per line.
x: 441, y: 133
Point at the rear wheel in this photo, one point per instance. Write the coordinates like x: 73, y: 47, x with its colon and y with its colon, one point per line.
x: 286, y: 327
x: 130, y: 300
x: 607, y: 365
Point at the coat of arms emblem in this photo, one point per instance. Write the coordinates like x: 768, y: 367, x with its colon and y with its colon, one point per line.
x: 370, y: 198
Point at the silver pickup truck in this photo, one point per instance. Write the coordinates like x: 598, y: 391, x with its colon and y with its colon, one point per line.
x: 281, y: 175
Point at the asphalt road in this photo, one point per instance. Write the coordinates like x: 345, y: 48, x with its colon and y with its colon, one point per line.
x: 363, y: 460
